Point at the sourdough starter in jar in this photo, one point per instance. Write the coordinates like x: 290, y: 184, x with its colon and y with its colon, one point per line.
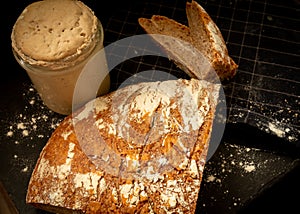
x: 53, y: 40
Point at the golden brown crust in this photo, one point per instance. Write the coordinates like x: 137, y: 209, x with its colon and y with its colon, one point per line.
x: 160, y: 174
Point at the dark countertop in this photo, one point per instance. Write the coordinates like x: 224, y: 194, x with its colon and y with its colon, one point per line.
x: 255, y: 168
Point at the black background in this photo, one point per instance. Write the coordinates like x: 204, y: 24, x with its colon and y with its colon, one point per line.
x: 273, y: 186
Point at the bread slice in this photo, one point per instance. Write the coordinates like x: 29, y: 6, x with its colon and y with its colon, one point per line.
x: 140, y: 149
x: 201, y: 43
x: 206, y: 36
x: 176, y: 41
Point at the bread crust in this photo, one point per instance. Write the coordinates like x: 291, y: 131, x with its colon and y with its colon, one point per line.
x: 74, y: 173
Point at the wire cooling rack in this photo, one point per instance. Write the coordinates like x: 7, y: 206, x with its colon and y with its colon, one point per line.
x: 263, y: 39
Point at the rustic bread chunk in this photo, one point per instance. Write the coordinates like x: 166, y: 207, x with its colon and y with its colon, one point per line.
x: 188, y: 45
x: 175, y: 40
x: 140, y: 149
x: 206, y: 36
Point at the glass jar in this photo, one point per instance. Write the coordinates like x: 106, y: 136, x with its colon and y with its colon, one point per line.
x: 55, y: 84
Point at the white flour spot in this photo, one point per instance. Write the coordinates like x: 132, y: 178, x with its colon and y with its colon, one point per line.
x: 31, y: 102
x: 276, y: 130
x: 25, y: 133
x: 25, y: 169
x: 211, y: 178
x: 21, y: 126
x: 249, y: 168
x: 9, y: 133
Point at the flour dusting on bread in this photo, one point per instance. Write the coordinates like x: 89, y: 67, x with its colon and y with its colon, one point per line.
x: 141, y: 148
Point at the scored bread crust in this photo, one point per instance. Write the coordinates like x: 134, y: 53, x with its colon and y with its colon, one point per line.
x: 202, y: 34
x: 74, y: 173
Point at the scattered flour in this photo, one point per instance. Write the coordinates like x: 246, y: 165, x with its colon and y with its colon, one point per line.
x: 276, y: 130
x: 34, y: 121
x: 238, y: 161
x: 281, y: 129
x: 9, y: 133
x: 25, y: 169
x: 249, y: 168
x: 211, y: 178
x: 27, y: 128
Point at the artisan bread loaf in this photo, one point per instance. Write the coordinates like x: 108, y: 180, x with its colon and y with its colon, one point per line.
x: 139, y: 149
x: 203, y: 35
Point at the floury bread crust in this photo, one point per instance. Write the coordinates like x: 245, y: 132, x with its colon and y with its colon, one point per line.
x: 140, y: 149
x: 201, y: 33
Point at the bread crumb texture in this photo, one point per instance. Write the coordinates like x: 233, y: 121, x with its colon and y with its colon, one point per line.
x: 54, y: 30
x: 140, y: 149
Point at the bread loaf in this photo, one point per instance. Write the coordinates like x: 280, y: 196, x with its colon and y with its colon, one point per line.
x: 139, y: 149
x: 202, y: 34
